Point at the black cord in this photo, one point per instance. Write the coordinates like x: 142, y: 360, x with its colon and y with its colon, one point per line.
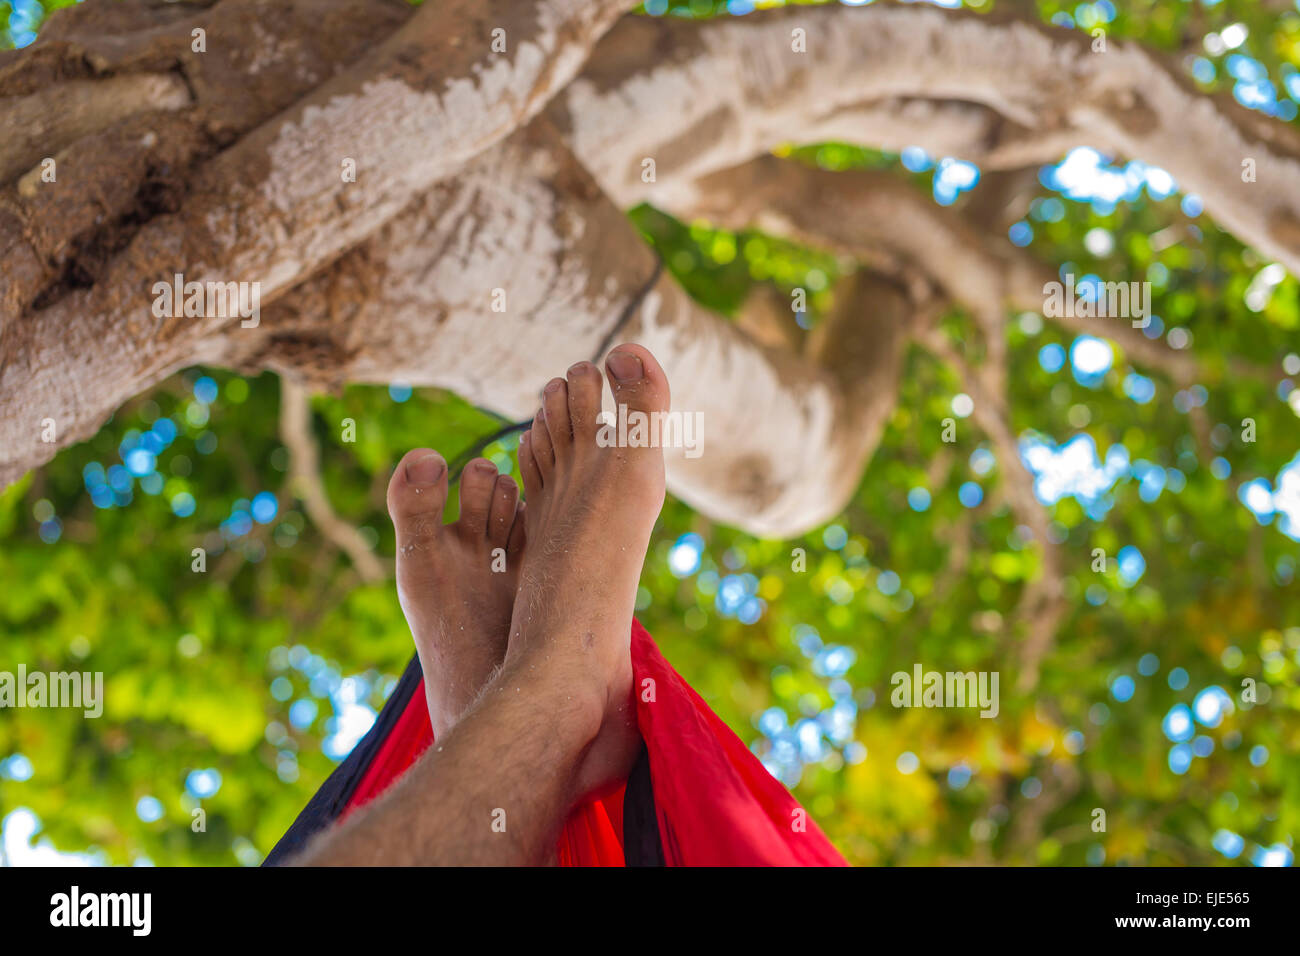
x: 630, y: 309
x: 473, y: 451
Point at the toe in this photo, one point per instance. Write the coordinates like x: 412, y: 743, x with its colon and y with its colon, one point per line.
x: 505, y: 500
x: 476, y: 484
x: 543, y: 447
x: 555, y: 408
x: 417, y: 494
x: 636, y: 380
x: 528, y: 469
x: 584, y: 402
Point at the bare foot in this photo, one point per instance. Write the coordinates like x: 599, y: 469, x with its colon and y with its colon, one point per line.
x: 590, y: 513
x: 456, y: 582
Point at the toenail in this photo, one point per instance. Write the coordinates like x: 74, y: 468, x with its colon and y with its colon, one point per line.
x: 425, y: 471
x: 553, y: 386
x: 484, y: 466
x: 578, y: 367
x: 625, y: 366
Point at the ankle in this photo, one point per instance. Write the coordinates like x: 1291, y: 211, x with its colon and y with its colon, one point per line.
x: 566, y: 696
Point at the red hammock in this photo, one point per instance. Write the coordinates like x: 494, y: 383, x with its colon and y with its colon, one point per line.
x: 714, y: 802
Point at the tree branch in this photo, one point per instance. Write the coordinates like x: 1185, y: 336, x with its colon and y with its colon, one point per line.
x: 43, y: 123
x: 876, y: 216
x: 305, y: 480
x: 700, y: 97
x: 1042, y: 603
x: 404, y: 262
x: 413, y: 303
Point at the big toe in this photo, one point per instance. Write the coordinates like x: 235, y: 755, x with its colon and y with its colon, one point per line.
x: 417, y: 493
x: 636, y: 379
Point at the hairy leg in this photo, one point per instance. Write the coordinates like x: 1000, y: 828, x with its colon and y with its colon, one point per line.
x: 591, y: 509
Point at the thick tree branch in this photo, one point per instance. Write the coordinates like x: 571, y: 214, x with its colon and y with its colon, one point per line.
x: 279, y: 203
x: 43, y: 123
x: 785, y: 436
x: 702, y: 97
x: 410, y: 299
x: 113, y: 182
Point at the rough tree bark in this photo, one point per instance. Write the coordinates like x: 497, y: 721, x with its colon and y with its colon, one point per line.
x: 482, y: 169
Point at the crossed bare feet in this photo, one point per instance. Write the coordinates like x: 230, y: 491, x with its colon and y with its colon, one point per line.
x: 562, y: 607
